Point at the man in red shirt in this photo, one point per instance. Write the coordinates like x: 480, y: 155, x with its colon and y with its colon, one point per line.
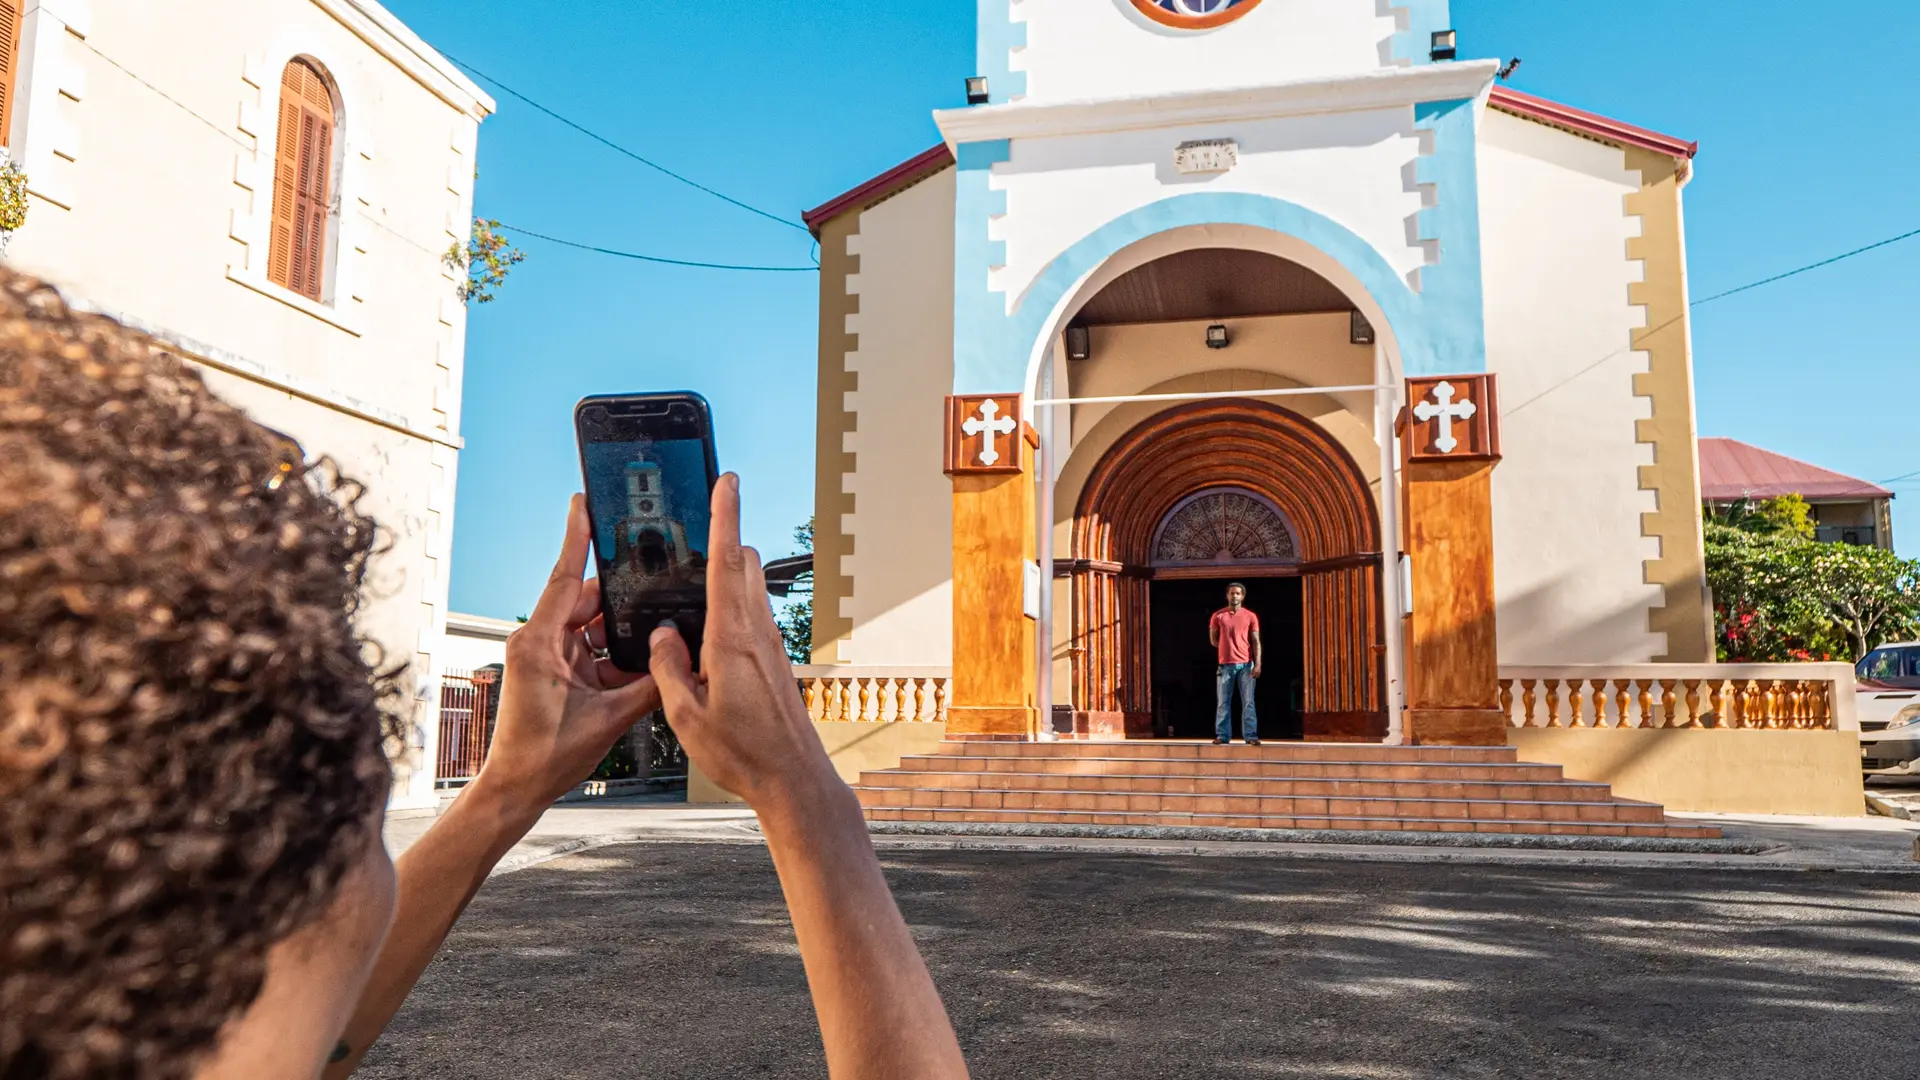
x: 1235, y: 631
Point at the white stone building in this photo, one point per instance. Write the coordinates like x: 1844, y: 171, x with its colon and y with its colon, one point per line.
x: 270, y: 186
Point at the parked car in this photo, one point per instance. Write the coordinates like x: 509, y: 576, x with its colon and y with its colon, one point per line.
x: 1887, y: 699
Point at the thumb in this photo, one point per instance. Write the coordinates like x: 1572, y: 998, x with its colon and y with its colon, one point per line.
x: 673, y: 672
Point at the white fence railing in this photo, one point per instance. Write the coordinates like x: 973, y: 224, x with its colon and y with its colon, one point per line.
x: 1766, y: 696
x: 852, y: 693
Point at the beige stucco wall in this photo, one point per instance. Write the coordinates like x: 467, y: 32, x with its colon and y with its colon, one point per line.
x: 156, y: 211
x: 1266, y: 353
x: 1569, y: 554
x: 1707, y: 770
x: 896, y: 514
x: 852, y: 747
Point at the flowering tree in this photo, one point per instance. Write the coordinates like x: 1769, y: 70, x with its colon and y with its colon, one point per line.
x: 485, y: 260
x: 1779, y: 595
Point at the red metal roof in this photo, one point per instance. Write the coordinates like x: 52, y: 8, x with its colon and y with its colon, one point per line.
x: 919, y: 167
x: 1731, y: 470
x: 925, y: 164
x: 1553, y: 112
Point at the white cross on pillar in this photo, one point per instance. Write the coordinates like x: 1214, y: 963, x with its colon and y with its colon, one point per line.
x: 1447, y: 411
x: 987, y: 424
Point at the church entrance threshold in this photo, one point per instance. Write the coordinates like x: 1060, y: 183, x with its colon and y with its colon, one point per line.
x: 1184, y: 664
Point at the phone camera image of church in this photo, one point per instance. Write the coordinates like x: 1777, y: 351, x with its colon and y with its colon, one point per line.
x: 1294, y: 294
x: 649, y: 541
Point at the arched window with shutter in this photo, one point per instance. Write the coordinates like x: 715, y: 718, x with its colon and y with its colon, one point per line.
x: 303, y: 181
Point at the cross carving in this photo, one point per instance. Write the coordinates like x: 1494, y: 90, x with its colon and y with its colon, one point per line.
x: 1446, y: 411
x: 989, y: 423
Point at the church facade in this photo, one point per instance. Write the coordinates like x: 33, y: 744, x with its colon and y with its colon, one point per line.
x: 1270, y: 291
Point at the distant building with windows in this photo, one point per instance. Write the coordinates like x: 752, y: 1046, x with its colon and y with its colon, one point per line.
x: 1845, y: 510
x: 270, y: 188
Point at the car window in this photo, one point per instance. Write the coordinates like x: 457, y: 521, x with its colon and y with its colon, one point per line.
x: 1912, y: 661
x: 1882, y: 664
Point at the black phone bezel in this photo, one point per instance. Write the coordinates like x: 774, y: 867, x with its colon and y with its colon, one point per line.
x: 633, y: 654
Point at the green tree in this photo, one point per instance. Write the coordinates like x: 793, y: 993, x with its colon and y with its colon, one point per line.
x: 796, y: 619
x: 1780, y: 596
x: 485, y: 260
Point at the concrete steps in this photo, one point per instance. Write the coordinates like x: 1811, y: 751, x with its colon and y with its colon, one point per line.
x: 1271, y: 786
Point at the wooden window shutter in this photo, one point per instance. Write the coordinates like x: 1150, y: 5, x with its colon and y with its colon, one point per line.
x: 10, y: 14
x: 302, y: 174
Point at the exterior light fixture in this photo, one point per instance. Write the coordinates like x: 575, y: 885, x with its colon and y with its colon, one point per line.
x: 977, y: 90
x: 1217, y: 336
x: 1444, y: 42
x: 1359, y: 330
x: 1079, y: 343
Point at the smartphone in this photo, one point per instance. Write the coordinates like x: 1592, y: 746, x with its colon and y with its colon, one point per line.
x: 649, y: 466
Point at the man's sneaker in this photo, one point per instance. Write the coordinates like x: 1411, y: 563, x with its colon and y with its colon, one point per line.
x: 1221, y: 742
x: 1255, y: 741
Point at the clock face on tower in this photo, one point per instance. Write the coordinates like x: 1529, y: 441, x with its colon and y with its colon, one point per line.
x: 1194, y: 14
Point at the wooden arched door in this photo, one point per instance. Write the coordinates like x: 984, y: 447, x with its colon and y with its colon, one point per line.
x: 1282, y: 458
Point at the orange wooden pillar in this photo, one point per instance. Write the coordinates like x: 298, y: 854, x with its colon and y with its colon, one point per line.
x: 1449, y: 447
x: 990, y: 454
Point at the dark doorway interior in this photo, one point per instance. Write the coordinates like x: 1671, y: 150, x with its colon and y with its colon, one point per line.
x: 1184, y: 664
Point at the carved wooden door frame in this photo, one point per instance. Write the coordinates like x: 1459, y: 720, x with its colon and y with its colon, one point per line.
x: 1281, y: 457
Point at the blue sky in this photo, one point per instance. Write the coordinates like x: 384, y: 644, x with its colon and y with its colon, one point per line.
x: 1800, y: 115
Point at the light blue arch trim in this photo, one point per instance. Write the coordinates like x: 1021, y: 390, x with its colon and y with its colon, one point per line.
x: 1437, y: 333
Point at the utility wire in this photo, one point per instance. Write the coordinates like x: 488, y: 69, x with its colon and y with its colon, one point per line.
x: 657, y: 258
x: 1809, y: 266
x: 1646, y: 332
x: 610, y: 144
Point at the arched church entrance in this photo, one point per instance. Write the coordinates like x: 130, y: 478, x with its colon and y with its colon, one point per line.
x: 1193, y: 498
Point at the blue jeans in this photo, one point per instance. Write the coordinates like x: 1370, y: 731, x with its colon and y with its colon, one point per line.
x: 1230, y: 676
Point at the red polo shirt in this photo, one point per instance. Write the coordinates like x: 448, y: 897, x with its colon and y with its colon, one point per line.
x: 1236, y: 630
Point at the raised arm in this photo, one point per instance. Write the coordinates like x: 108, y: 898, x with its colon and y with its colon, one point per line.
x: 741, y: 720
x: 561, y: 709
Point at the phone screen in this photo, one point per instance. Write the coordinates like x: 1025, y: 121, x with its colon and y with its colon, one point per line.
x: 649, y: 476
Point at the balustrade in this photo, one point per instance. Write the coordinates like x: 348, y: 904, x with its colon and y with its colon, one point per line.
x: 1756, y: 696
x: 841, y: 693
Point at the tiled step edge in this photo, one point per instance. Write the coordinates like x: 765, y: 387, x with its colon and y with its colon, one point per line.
x: 1310, y: 821
x: 1650, y: 844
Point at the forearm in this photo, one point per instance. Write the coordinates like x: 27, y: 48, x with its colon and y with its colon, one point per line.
x: 880, y: 1016
x: 438, y: 876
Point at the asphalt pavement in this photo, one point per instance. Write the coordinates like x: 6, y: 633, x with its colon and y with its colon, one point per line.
x: 671, y: 960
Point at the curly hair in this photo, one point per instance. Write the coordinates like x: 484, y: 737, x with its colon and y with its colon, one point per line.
x: 193, y: 734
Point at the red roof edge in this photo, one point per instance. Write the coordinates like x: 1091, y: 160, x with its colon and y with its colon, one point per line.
x: 915, y: 168
x: 1553, y: 112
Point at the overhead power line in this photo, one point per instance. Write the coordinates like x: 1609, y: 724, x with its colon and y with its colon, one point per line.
x: 1810, y: 266
x: 657, y: 258
x: 610, y: 144
x: 1650, y: 331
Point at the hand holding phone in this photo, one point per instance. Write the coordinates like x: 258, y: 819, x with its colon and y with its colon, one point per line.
x: 649, y: 465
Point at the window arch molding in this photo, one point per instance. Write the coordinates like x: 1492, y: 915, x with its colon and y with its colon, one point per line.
x: 304, y: 198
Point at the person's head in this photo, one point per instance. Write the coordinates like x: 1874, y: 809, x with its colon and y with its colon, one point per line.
x: 1236, y: 595
x: 192, y: 731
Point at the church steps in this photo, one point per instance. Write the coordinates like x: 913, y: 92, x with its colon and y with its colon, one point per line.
x: 1238, y: 752
x: 1306, y: 821
x: 1273, y: 786
x: 1612, y: 812
x: 1208, y: 784
x: 1494, y: 772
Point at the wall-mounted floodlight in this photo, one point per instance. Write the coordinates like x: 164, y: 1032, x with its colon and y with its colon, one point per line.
x: 977, y: 90
x: 1444, y: 43
x: 1079, y: 343
x: 1359, y: 330
x: 1217, y: 336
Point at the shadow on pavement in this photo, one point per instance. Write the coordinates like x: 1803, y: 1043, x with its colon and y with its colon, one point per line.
x: 678, y: 961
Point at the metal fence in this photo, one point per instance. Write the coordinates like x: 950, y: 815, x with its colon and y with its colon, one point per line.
x: 466, y: 723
